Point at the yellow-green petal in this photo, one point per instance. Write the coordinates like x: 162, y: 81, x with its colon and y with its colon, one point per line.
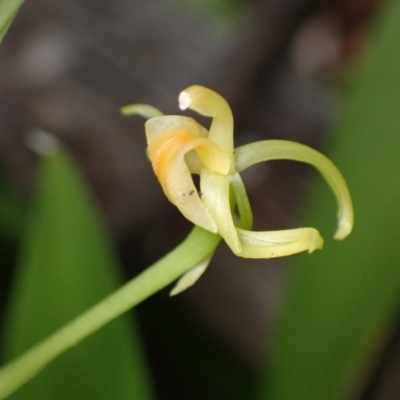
x: 266, y: 150
x: 215, y: 196
x: 278, y: 243
x: 209, y: 103
x: 170, y: 140
x: 160, y: 127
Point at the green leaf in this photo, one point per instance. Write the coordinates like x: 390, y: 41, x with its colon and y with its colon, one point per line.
x: 8, y: 11
x: 12, y: 211
x: 66, y: 266
x: 343, y: 299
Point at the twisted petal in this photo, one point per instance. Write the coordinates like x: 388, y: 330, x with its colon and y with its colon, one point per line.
x: 280, y: 149
x: 245, y: 243
x: 278, y: 243
x: 211, y: 104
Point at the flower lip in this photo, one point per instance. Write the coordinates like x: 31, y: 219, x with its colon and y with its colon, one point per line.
x: 166, y: 125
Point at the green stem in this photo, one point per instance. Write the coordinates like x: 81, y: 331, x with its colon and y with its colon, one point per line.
x: 189, y: 253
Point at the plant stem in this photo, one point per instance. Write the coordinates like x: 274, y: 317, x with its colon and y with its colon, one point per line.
x: 189, y: 253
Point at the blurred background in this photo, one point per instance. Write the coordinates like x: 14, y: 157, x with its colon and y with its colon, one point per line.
x: 283, y: 65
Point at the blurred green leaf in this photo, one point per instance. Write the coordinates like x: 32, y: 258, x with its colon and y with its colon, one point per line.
x: 12, y: 210
x: 8, y: 11
x: 343, y: 299
x: 66, y: 266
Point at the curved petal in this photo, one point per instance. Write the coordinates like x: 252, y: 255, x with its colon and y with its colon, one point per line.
x: 159, y: 128
x: 278, y: 243
x: 266, y: 150
x: 209, y: 103
x: 215, y: 196
x: 170, y: 139
x: 171, y: 133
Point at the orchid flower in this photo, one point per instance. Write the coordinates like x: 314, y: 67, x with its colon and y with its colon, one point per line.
x: 179, y: 147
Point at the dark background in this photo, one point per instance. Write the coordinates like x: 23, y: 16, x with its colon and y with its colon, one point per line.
x: 68, y: 66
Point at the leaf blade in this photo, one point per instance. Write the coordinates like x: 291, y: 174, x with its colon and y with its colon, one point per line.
x: 66, y: 266
x: 8, y: 11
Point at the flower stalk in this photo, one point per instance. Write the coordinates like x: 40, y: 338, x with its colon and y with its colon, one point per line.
x: 191, y: 252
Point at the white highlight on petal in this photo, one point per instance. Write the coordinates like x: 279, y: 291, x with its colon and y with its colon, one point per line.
x: 184, y: 100
x: 210, y: 104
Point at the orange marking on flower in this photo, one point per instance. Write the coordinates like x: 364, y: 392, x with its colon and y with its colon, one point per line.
x: 162, y: 151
